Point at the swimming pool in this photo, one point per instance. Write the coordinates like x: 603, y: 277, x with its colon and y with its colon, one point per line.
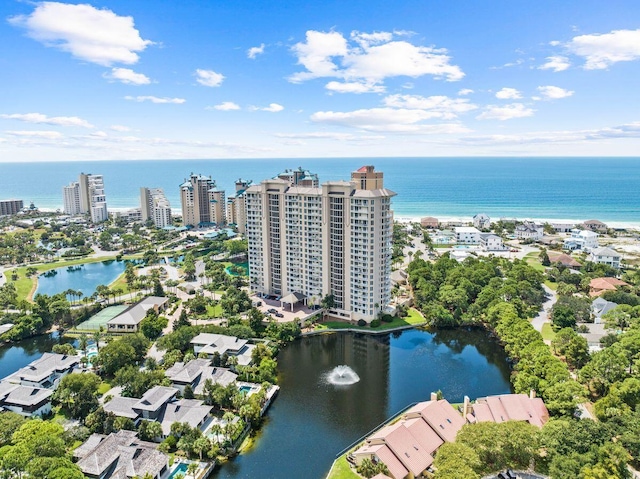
x: 180, y: 469
x: 245, y: 389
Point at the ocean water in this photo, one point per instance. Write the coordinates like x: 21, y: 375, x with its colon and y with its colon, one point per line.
x: 560, y: 188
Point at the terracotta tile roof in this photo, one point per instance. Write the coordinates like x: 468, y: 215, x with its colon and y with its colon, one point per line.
x: 511, y: 407
x: 396, y: 468
x: 441, y: 416
x: 599, y: 285
x: 564, y: 259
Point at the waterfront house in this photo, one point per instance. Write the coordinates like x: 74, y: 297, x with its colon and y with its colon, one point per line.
x: 529, y: 231
x: 606, y: 256
x: 467, y: 235
x: 196, y: 372
x: 510, y: 407
x: 583, y: 240
x: 209, y: 344
x: 429, y: 222
x: 190, y: 411
x: 597, y: 286
x: 595, y: 225
x: 25, y: 400
x: 563, y: 227
x: 120, y: 455
x: 129, y: 320
x: 150, y: 406
x: 45, y: 372
x: 492, y: 242
x: 481, y: 221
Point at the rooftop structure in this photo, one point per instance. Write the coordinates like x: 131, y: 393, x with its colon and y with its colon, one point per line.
x: 597, y: 286
x: 120, y: 455
x: 196, y: 372
x: 192, y: 411
x: 129, y: 320
x: 44, y: 372
x: 210, y: 344
x: 510, y: 407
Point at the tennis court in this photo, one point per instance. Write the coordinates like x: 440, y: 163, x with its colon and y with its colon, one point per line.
x: 101, y: 318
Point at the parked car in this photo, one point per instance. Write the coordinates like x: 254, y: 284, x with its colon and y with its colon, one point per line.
x: 279, y: 315
x: 271, y: 310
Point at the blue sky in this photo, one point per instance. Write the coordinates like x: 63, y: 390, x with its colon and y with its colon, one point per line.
x: 238, y: 79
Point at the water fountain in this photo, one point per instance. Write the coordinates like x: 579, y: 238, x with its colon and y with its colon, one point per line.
x: 342, y: 376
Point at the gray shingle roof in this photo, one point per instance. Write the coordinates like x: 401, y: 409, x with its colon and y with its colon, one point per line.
x: 121, y: 406
x: 155, y: 397
x: 45, y: 366
x: 190, y: 411
x: 138, y: 311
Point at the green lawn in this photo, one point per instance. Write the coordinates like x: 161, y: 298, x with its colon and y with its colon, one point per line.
x: 414, y: 318
x: 547, y: 332
x: 342, y: 470
x: 551, y: 284
x: 533, y: 261
x: 103, y: 388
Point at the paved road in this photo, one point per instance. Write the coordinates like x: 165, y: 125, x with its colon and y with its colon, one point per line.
x: 543, y: 315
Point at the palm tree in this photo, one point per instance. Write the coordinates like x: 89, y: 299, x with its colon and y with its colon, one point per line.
x: 83, y: 343
x: 97, y: 335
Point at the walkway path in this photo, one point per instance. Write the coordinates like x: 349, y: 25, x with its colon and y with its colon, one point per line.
x: 543, y: 315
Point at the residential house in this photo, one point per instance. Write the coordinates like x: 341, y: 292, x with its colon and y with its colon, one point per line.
x: 564, y: 259
x: 606, y: 256
x: 467, y: 235
x: 454, y: 222
x: 583, y: 240
x: 600, y: 307
x: 120, y: 455
x: 595, y: 225
x: 429, y: 222
x: 129, y: 320
x: 196, y: 372
x: 25, y: 400
x: 563, y: 227
x: 150, y: 406
x: 192, y: 411
x: 45, y: 372
x: 492, y: 242
x: 529, y: 231
x: 210, y: 344
x: 510, y: 407
x: 481, y: 221
x: 597, y: 286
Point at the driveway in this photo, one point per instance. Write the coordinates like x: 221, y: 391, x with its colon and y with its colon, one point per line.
x: 543, y: 315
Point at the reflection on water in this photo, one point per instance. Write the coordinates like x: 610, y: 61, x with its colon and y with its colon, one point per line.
x: 17, y: 355
x: 312, y: 420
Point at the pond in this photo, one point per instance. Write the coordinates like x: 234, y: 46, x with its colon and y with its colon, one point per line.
x: 20, y: 353
x: 83, y: 278
x: 312, y: 420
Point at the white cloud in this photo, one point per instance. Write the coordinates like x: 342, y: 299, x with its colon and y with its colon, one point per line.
x: 225, y: 106
x: 128, y: 76
x: 556, y: 63
x: 46, y: 135
x: 354, y: 87
x: 602, y: 50
x: 505, y: 112
x: 369, y: 59
x: 554, y: 92
x: 325, y: 135
x: 438, y: 106
x: 273, y: 108
x: 94, y: 35
x: 508, y: 94
x: 255, y: 51
x: 554, y: 43
x: 209, y: 78
x: 465, y: 91
x: 120, y: 128
x: 44, y: 119
x: 387, y: 119
x: 155, y: 99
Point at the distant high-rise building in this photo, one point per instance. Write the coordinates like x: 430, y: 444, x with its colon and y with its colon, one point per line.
x: 92, y: 197
x: 71, y: 198
x: 236, y: 207
x: 155, y: 206
x: 10, y: 207
x: 202, y: 203
x: 314, y: 241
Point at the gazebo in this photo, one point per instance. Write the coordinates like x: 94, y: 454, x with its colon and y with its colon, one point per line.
x: 292, y: 298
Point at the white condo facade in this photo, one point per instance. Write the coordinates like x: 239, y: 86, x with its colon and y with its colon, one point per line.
x: 92, y: 197
x: 314, y: 240
x: 71, y: 199
x: 155, y: 206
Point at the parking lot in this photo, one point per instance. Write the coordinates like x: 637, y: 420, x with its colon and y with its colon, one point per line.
x: 300, y: 311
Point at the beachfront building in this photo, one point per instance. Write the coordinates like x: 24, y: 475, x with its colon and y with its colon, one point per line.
x: 120, y: 455
x: 71, y: 199
x: 93, y: 200
x: 155, y: 206
x: 309, y: 240
x: 563, y: 226
x: 10, y: 207
x: 429, y: 222
x: 203, y: 204
x: 129, y: 320
x: 606, y: 256
x: 529, y: 231
x: 467, y: 235
x: 583, y: 240
x: 595, y: 225
x: 482, y: 221
x: 237, y: 206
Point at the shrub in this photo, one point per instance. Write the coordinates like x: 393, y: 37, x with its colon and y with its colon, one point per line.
x: 362, y: 322
x: 387, y: 318
x: 375, y: 323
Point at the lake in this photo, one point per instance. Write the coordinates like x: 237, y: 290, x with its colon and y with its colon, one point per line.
x: 311, y: 420
x: 84, y: 278
x: 20, y: 353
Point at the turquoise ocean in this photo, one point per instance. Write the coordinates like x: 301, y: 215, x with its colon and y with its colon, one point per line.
x: 551, y: 188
